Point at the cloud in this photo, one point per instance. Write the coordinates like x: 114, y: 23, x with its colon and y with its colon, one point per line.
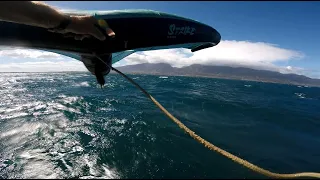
x: 258, y: 55
x: 27, y: 53
x: 44, y: 66
x: 30, y: 60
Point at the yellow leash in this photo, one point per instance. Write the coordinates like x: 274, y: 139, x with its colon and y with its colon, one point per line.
x: 213, y: 147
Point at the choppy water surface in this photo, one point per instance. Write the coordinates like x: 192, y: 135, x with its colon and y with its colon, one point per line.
x: 61, y: 125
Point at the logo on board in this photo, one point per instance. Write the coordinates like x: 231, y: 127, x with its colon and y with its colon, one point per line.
x: 180, y: 30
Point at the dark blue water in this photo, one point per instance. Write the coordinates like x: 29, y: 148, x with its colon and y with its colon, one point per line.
x: 61, y: 125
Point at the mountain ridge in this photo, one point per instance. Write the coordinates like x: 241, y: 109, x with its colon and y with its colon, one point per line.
x: 225, y: 72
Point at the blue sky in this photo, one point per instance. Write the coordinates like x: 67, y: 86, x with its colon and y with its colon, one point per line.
x: 291, y: 26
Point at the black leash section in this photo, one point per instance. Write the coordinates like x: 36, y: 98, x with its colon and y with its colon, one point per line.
x: 212, y: 147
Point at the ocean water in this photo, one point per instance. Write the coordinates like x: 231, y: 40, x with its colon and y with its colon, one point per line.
x: 62, y: 125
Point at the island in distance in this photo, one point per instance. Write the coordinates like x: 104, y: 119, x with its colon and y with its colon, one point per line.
x: 225, y: 72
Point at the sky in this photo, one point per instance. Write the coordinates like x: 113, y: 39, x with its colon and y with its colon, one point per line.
x: 275, y: 35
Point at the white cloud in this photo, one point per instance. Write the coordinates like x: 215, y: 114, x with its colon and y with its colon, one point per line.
x: 256, y: 55
x: 27, y: 53
x: 45, y: 61
x: 44, y: 66
x: 289, y: 68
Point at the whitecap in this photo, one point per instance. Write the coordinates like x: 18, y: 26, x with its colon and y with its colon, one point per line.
x: 163, y: 77
x: 300, y: 95
x: 83, y: 84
